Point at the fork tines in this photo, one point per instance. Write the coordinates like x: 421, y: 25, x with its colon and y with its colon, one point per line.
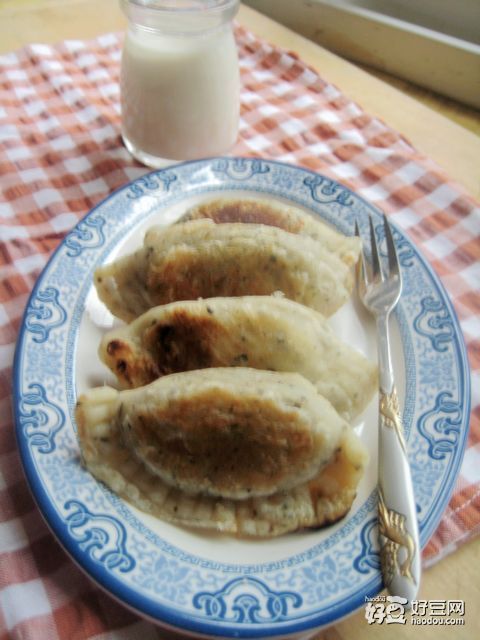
x: 393, y: 266
x: 372, y: 274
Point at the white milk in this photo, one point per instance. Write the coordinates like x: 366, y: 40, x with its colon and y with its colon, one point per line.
x: 180, y: 94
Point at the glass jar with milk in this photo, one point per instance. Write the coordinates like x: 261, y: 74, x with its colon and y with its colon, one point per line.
x: 179, y: 79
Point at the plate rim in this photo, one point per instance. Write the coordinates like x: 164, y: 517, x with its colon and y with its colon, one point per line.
x: 169, y: 616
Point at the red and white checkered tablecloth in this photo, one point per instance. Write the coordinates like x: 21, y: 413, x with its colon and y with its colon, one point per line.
x: 61, y: 152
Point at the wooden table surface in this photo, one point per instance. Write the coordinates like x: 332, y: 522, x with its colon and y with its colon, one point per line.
x: 453, y: 147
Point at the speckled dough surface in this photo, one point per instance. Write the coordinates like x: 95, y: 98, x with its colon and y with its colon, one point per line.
x: 200, y: 259
x: 305, y: 477
x: 263, y: 332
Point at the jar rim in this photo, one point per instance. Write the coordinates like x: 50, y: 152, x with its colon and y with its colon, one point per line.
x: 180, y: 6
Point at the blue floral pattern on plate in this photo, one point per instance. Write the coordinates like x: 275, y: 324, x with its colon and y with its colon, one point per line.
x: 320, y: 577
x: 44, y: 313
x: 88, y: 234
x: 247, y: 600
x: 39, y: 418
x: 100, y: 536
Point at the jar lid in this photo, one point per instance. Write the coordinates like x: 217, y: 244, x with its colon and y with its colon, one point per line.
x: 179, y: 15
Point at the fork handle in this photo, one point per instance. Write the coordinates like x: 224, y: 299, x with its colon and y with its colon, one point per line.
x: 397, y: 516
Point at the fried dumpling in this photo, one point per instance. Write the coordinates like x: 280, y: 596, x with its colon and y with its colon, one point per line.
x: 277, y: 214
x: 323, y: 499
x: 200, y: 259
x: 226, y: 432
x: 263, y: 332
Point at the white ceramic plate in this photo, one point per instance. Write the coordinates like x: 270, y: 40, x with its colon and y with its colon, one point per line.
x: 205, y: 583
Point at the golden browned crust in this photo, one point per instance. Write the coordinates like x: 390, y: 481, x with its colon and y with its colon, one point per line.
x: 232, y: 432
x: 320, y: 501
x: 276, y: 214
x: 249, y: 211
x: 262, y: 332
x: 236, y: 443
x: 187, y: 275
x: 133, y: 367
x: 183, y: 342
x: 199, y: 259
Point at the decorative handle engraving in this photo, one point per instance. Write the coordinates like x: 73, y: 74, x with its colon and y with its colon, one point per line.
x: 392, y: 528
x: 397, y: 517
x: 389, y: 409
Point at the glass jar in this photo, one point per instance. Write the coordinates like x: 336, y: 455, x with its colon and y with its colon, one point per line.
x: 179, y: 79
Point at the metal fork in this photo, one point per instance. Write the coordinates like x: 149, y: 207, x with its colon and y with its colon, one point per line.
x: 380, y: 291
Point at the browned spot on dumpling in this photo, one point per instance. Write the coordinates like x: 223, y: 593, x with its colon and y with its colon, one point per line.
x: 188, y: 276
x: 219, y: 439
x: 183, y: 343
x: 249, y: 211
x: 132, y: 368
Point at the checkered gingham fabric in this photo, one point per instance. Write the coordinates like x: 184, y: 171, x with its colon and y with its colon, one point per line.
x: 61, y: 153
